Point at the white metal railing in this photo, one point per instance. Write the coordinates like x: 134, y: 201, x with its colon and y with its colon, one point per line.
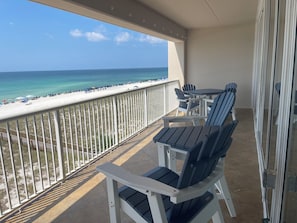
x: 38, y: 150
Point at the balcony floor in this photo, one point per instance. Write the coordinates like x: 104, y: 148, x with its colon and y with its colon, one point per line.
x: 82, y: 198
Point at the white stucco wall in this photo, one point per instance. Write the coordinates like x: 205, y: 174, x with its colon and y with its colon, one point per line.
x: 176, y: 61
x: 216, y: 56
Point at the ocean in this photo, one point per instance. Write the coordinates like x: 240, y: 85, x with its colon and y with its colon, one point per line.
x: 43, y: 83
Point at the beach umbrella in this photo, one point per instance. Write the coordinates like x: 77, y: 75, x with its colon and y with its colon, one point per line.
x: 20, y: 98
x: 30, y: 96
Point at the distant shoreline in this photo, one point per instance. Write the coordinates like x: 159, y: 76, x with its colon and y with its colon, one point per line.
x: 18, y: 85
x: 42, y: 103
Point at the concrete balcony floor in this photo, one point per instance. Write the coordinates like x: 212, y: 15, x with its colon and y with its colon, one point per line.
x: 83, y: 198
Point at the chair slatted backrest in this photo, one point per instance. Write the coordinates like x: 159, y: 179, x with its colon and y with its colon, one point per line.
x: 189, y: 87
x: 200, y: 162
x: 180, y: 94
x: 220, y: 108
x: 183, y: 100
x: 231, y: 87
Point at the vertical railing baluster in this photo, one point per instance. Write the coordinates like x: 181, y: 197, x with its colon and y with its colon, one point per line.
x: 90, y: 131
x: 86, y: 132
x: 30, y: 156
x: 45, y: 149
x: 115, y: 112
x: 105, y: 125
x: 145, y: 107
x: 22, y: 159
x: 71, y: 137
x: 81, y: 135
x: 37, y: 152
x: 76, y: 136
x: 59, y: 144
x: 11, y: 153
x: 65, y: 149
x: 52, y: 145
x: 119, y: 117
x: 124, y: 100
x: 7, y: 189
x: 138, y: 118
x: 109, y: 123
x: 103, y: 122
x: 133, y: 109
x: 165, y: 102
x: 129, y: 115
x: 94, y: 130
x: 98, y: 132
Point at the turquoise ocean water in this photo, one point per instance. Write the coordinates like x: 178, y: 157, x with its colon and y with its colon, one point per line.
x: 43, y: 83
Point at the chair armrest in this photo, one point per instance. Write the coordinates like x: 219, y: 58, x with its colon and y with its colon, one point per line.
x: 200, y: 188
x: 147, y: 185
x: 194, y: 119
x: 140, y: 183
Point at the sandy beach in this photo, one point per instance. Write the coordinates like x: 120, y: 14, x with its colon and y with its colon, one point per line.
x: 19, y: 108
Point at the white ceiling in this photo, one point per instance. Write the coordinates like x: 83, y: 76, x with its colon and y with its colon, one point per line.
x: 183, y: 15
x: 205, y: 13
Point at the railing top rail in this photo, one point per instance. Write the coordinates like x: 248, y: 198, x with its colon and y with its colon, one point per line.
x: 60, y: 104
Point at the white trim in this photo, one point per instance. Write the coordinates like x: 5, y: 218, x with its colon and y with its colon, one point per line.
x: 284, y: 108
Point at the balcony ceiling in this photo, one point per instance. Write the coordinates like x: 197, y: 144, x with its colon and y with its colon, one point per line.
x: 193, y: 14
x: 169, y: 19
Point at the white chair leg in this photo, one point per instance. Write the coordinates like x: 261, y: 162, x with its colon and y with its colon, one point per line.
x: 233, y: 114
x: 218, y: 215
x: 224, y: 193
x: 113, y: 201
x: 213, y: 211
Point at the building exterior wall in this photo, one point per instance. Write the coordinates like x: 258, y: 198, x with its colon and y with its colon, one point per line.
x: 216, y: 56
x: 176, y: 61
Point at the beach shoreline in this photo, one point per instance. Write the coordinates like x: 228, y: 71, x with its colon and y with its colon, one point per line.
x: 19, y: 108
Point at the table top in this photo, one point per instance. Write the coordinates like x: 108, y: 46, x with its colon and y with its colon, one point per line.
x: 184, y: 138
x: 205, y: 91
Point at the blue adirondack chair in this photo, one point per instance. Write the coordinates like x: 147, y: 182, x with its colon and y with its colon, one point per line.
x: 220, y: 109
x: 162, y: 195
x: 186, y: 104
x: 218, y: 114
x: 189, y: 87
x: 208, y: 102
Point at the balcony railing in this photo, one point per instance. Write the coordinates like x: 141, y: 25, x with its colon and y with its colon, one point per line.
x: 40, y: 149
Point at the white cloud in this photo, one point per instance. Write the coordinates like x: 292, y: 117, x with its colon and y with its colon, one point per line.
x: 150, y: 39
x: 122, y: 37
x: 90, y: 36
x: 94, y: 36
x: 76, y: 33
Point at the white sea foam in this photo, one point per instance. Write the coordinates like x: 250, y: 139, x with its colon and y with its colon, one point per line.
x: 18, y: 108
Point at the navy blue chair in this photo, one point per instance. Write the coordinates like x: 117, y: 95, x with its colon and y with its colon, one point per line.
x: 161, y: 195
x: 220, y: 109
x: 189, y: 87
x: 187, y: 104
x: 228, y: 87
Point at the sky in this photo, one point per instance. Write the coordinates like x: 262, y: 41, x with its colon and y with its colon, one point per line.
x: 38, y: 37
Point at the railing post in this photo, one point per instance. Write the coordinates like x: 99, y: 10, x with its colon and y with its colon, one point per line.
x: 115, y: 117
x: 59, y: 143
x: 165, y: 101
x: 145, y: 107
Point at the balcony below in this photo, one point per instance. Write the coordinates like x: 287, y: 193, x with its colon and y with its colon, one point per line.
x: 83, y: 197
